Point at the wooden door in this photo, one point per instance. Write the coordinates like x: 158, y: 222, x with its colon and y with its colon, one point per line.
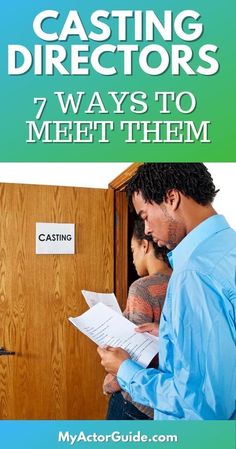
x: 55, y: 373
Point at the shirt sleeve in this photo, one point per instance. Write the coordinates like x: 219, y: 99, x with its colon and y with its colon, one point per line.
x: 110, y: 384
x: 196, y: 378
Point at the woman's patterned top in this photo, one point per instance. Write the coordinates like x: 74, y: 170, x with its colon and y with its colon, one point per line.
x: 144, y: 305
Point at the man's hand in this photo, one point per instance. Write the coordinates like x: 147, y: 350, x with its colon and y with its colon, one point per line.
x: 111, y: 358
x: 151, y: 328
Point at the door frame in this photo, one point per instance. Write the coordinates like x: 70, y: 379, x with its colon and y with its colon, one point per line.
x: 121, y: 241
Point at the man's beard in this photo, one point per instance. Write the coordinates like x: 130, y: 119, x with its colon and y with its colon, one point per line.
x: 172, y: 233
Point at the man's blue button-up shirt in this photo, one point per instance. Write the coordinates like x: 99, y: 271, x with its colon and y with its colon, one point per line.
x: 196, y: 377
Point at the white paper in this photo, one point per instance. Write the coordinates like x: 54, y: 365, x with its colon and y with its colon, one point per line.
x: 106, y: 327
x: 108, y: 299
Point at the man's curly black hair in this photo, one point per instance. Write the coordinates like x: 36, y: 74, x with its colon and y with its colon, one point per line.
x: 154, y: 180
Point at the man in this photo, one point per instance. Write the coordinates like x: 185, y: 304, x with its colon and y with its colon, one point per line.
x: 196, y: 377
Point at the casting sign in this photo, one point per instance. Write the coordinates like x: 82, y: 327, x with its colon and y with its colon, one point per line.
x: 55, y: 238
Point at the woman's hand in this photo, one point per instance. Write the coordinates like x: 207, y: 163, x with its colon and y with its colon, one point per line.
x: 151, y: 328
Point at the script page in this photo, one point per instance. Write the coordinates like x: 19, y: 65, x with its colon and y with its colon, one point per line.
x: 108, y: 299
x: 106, y: 327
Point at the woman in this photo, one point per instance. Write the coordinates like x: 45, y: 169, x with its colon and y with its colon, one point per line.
x: 144, y: 305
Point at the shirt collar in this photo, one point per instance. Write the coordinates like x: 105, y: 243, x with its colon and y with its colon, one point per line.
x: 202, y: 232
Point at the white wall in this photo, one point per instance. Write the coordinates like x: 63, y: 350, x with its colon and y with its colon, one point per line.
x: 224, y: 176
x: 100, y: 174
x: 92, y: 174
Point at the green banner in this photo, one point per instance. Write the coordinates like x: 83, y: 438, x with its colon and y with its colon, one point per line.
x: 94, y: 434
x: 117, y: 81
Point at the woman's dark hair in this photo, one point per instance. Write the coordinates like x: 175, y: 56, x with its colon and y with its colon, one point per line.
x: 139, y: 234
x: 154, y: 180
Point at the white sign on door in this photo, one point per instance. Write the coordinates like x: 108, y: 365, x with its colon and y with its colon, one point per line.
x: 55, y: 238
